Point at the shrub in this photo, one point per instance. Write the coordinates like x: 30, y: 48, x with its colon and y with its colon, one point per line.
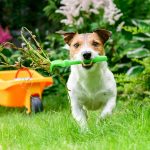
x: 135, y: 87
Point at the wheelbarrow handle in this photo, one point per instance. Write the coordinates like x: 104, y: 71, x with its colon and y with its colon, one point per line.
x: 23, y: 69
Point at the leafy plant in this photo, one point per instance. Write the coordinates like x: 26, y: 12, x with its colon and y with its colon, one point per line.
x: 135, y: 87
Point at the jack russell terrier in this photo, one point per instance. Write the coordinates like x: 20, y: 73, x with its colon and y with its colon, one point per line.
x: 92, y: 86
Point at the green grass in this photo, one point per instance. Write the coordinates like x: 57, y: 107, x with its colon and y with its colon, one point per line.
x: 55, y: 129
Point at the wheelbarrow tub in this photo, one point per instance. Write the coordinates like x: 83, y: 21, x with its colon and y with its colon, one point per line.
x: 16, y: 92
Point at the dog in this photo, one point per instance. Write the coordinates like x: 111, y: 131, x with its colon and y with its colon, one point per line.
x: 91, y: 86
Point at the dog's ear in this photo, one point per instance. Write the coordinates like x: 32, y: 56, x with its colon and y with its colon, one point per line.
x: 68, y: 36
x: 104, y: 34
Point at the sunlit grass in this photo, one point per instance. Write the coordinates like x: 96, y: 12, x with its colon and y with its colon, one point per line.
x: 54, y: 129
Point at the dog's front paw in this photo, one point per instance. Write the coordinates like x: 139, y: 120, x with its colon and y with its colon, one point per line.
x: 105, y: 114
x: 99, y: 120
x: 84, y: 129
x: 102, y: 117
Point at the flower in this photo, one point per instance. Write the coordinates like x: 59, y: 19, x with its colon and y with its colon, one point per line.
x: 71, y: 10
x: 4, y: 35
x: 119, y: 27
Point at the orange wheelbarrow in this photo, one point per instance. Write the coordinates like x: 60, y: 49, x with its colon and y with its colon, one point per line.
x: 23, y: 88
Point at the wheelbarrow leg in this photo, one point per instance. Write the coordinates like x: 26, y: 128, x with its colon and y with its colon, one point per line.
x: 28, y: 103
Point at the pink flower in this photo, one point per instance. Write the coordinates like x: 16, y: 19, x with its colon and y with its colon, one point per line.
x: 4, y: 35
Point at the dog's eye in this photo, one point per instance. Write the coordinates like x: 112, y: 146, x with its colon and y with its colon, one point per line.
x: 95, y: 44
x: 76, y: 45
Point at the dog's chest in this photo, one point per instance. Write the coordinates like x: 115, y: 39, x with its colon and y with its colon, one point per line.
x: 93, y: 94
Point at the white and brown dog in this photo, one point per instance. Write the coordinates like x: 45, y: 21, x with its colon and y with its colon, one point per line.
x: 92, y: 86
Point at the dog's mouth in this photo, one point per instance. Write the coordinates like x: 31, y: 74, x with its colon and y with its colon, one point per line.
x: 87, y: 65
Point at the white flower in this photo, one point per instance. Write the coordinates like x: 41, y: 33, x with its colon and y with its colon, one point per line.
x: 119, y: 28
x: 72, y: 8
x: 79, y: 21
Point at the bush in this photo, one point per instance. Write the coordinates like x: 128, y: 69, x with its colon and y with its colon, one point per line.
x: 135, y: 87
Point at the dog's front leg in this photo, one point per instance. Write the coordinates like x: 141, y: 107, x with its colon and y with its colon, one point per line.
x: 79, y: 114
x: 107, y: 110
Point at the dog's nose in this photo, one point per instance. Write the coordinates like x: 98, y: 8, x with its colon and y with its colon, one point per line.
x: 86, y: 55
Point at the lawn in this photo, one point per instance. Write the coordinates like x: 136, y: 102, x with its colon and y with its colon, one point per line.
x: 32, y: 41
x: 54, y: 129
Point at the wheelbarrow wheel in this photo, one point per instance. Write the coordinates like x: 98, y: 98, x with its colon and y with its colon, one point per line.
x: 36, y: 104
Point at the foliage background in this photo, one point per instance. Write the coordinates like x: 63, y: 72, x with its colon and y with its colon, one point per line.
x: 128, y: 53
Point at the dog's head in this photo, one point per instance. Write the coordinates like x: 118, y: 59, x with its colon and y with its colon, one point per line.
x: 86, y: 46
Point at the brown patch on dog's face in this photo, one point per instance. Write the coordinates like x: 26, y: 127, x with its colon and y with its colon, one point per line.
x: 90, y: 40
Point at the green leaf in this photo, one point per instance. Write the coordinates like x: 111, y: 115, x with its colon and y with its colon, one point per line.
x: 138, y: 53
x: 136, y: 70
x: 142, y: 39
x: 121, y: 66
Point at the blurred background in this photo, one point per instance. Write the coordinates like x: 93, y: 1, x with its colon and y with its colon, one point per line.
x: 128, y: 49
